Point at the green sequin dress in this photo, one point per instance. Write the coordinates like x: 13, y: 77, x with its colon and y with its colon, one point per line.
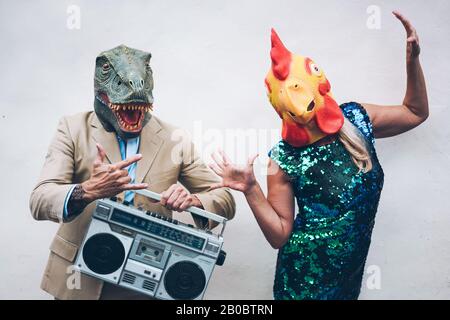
x: 325, y: 255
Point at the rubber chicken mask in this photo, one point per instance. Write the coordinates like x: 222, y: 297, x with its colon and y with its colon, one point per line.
x: 300, y: 94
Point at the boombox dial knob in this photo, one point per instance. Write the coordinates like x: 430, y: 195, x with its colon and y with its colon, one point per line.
x: 221, y: 258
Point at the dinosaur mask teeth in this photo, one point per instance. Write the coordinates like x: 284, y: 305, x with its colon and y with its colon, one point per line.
x: 140, y: 107
x: 130, y: 116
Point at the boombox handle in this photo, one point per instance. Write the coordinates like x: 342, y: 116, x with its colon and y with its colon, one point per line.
x: 194, y: 210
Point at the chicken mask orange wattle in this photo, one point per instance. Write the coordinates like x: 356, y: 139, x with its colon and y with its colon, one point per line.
x: 300, y: 93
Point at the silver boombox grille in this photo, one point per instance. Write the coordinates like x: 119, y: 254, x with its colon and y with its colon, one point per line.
x: 149, y: 253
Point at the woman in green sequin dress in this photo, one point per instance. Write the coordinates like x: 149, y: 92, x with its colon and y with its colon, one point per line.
x: 325, y: 254
x: 336, y: 181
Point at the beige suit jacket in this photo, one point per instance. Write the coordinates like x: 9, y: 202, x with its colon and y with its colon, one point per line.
x: 167, y: 159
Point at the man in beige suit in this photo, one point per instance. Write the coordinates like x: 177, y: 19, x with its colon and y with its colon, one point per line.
x: 116, y: 149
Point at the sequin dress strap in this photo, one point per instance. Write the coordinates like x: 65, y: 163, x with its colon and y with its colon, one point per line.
x: 285, y: 156
x: 358, y: 116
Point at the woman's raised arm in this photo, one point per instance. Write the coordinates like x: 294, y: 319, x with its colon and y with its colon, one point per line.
x: 389, y: 121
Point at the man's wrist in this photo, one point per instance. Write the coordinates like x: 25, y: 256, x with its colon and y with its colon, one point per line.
x: 84, y: 194
x: 77, y: 201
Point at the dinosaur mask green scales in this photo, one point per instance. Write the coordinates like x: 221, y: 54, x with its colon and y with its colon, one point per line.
x: 123, y: 85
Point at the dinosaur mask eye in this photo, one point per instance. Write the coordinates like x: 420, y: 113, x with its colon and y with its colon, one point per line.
x: 105, y: 66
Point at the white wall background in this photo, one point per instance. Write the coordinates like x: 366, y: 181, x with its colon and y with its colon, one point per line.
x: 209, y: 61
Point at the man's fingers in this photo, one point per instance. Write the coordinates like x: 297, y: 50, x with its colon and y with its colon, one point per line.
x: 166, y: 194
x: 124, y: 180
x: 134, y: 186
x: 178, y: 202
x: 101, y: 154
x: 186, y: 204
x: 115, y: 174
x: 174, y: 197
x: 125, y: 163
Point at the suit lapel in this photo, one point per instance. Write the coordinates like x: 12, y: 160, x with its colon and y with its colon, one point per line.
x: 149, y: 146
x: 108, y: 140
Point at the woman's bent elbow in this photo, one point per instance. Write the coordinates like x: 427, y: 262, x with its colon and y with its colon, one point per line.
x: 421, y: 119
x: 278, y: 243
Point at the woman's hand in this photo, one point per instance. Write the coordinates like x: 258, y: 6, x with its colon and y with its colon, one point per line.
x: 275, y: 217
x: 240, y: 178
x: 388, y: 121
x: 412, y: 39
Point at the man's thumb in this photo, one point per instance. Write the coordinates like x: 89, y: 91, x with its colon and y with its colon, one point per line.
x: 100, y: 153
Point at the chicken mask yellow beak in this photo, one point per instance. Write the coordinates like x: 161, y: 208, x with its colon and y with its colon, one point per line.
x: 300, y: 94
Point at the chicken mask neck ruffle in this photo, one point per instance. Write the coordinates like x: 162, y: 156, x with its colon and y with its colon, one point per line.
x: 300, y: 94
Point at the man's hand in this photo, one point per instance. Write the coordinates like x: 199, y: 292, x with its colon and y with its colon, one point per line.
x: 108, y: 180
x: 178, y: 199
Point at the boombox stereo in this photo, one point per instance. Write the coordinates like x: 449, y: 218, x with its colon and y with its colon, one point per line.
x: 155, y: 255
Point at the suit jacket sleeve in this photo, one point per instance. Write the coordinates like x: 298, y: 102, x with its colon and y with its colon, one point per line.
x: 198, y: 178
x: 55, y: 181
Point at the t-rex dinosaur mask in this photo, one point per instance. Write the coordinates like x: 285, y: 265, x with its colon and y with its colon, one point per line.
x: 123, y: 85
x: 300, y: 93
